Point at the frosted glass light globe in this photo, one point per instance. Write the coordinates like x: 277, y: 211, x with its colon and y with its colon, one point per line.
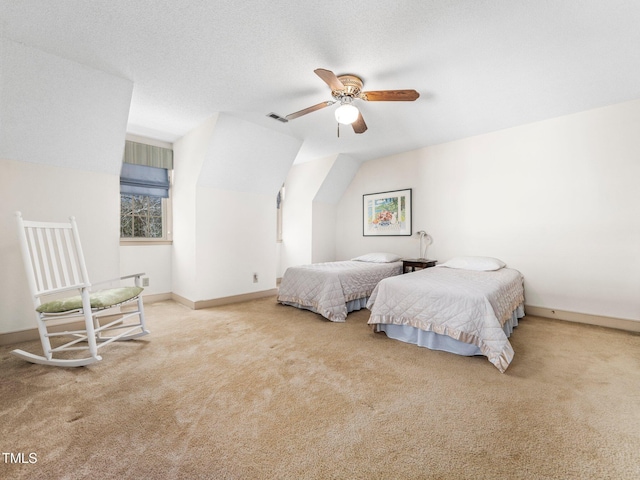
x: 346, y: 114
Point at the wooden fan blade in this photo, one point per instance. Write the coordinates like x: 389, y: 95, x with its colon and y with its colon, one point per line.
x: 390, y: 96
x: 308, y: 110
x: 359, y: 126
x: 329, y: 78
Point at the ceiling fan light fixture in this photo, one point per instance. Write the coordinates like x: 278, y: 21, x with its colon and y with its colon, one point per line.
x: 347, y: 114
x: 345, y: 89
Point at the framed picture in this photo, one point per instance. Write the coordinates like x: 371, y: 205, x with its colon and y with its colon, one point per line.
x: 386, y: 213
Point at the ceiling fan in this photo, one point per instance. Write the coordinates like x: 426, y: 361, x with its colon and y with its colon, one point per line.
x: 347, y: 88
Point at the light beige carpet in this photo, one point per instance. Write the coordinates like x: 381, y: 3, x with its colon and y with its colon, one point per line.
x: 260, y: 390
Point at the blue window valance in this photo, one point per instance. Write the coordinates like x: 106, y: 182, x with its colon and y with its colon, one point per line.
x: 144, y: 180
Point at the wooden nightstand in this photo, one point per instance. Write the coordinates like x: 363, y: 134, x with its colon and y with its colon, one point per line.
x: 413, y: 264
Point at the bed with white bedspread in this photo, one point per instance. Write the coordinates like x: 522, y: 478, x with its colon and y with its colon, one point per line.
x: 463, y: 311
x: 333, y: 289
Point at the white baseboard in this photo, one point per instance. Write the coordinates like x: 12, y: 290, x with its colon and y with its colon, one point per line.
x: 599, y: 320
x: 11, y: 338
x: 216, y: 302
x: 32, y: 333
x: 158, y: 297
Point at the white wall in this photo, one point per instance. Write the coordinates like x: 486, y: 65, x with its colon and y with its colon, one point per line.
x: 188, y: 157
x: 247, y: 157
x: 236, y: 237
x: 227, y: 174
x: 152, y: 260
x: 324, y: 207
x: 557, y: 200
x: 302, y: 185
x: 387, y: 174
x: 323, y: 224
x: 61, y: 142
x: 42, y: 192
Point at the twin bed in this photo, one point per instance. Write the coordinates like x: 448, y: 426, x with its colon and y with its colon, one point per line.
x: 467, y: 306
x: 333, y: 289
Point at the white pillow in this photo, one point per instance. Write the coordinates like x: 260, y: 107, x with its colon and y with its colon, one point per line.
x: 378, y: 258
x: 474, y: 263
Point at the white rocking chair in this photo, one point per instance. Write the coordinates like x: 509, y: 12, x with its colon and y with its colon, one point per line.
x: 55, y: 265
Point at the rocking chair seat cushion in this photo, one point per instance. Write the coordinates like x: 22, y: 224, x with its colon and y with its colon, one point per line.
x: 99, y: 300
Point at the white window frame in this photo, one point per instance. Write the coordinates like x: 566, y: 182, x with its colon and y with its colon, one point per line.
x: 167, y: 205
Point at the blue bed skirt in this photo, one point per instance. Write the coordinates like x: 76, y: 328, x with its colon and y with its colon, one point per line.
x: 435, y: 341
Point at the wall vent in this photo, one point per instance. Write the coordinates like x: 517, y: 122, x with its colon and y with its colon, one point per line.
x: 275, y: 116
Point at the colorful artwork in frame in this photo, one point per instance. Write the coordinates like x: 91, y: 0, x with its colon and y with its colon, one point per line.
x: 386, y: 213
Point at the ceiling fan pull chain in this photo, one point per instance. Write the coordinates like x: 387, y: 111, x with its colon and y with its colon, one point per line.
x: 338, y: 129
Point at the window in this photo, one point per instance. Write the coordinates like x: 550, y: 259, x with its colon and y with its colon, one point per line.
x: 141, y: 216
x: 145, y: 207
x: 279, y: 205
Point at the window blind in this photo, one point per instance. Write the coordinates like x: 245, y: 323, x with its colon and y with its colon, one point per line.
x: 144, y: 180
x: 145, y: 170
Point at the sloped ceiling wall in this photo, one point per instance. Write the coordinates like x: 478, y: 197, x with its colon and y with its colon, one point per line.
x: 337, y: 180
x: 62, y: 134
x: 58, y: 112
x: 247, y: 157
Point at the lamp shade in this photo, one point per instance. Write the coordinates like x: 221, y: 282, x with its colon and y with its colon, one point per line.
x: 346, y: 114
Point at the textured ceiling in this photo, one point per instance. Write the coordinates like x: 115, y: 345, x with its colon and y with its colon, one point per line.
x: 479, y: 65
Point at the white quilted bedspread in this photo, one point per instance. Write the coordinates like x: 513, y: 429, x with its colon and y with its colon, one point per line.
x: 325, y: 288
x: 466, y: 305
